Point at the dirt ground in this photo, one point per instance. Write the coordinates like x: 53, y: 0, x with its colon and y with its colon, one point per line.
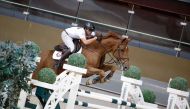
x: 152, y: 64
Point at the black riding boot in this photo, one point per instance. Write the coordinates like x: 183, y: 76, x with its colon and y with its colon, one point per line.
x: 65, y: 55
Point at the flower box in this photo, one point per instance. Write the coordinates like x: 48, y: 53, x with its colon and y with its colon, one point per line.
x: 131, y: 80
x: 177, y: 92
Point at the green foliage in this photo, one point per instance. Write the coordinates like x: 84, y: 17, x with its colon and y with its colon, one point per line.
x: 16, y: 63
x: 77, y: 60
x: 179, y: 83
x: 149, y: 96
x: 47, y: 75
x: 9, y: 92
x: 133, y: 72
x: 30, y: 52
x: 8, y: 57
x: 31, y: 48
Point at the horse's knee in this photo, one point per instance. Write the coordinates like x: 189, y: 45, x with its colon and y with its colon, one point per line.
x: 102, y: 73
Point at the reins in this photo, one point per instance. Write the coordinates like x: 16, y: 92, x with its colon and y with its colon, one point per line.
x: 113, y: 59
x: 109, y: 62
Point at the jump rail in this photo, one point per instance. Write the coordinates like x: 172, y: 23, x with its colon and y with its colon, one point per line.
x: 70, y: 80
x: 111, y: 99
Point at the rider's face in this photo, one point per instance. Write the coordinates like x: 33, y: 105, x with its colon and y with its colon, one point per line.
x: 88, y: 32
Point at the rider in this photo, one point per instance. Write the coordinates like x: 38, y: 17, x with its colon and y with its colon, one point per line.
x: 76, y: 33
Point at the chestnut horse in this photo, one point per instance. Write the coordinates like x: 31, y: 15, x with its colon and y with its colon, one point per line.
x: 95, y: 54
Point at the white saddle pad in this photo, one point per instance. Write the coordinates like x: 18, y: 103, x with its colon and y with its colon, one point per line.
x: 58, y: 54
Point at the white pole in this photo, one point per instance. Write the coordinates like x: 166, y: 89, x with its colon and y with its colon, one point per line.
x: 108, y: 99
x: 22, y: 99
x: 88, y: 105
x: 98, y: 94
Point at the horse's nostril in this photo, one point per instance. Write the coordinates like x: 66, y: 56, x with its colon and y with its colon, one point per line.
x: 125, y: 68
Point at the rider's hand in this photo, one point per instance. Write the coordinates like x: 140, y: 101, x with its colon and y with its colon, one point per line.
x: 99, y: 38
x: 90, y: 37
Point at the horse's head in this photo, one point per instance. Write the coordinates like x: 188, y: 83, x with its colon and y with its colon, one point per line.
x: 121, y: 52
x: 120, y: 49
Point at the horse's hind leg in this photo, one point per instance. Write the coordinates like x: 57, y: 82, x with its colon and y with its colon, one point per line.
x: 100, y: 78
x: 107, y: 67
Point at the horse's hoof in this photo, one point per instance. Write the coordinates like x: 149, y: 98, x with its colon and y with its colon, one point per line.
x: 102, y: 81
x: 106, y: 80
x: 89, y: 82
x: 94, y: 81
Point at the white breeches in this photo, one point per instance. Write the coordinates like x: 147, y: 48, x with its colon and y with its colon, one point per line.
x: 68, y: 41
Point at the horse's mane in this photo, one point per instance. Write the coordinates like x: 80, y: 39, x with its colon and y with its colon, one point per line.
x: 111, y: 34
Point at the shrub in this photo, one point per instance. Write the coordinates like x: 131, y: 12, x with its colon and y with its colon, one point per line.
x: 179, y: 83
x: 77, y: 60
x: 149, y: 96
x: 47, y: 75
x: 133, y: 72
x: 31, y: 47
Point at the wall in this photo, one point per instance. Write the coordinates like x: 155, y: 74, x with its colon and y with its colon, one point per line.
x: 18, y: 30
x: 159, y: 66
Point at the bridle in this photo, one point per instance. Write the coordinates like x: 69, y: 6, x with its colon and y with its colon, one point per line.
x: 121, y: 60
x: 118, y: 61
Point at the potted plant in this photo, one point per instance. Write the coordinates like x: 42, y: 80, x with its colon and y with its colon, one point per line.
x: 47, y: 75
x: 77, y: 60
x: 178, y: 93
x: 149, y: 96
x: 76, y: 63
x: 132, y: 75
x: 16, y: 63
x: 178, y: 86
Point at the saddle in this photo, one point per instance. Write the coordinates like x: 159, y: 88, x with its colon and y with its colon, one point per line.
x: 61, y: 48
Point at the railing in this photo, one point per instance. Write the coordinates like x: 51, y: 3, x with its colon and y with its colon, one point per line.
x: 129, y: 28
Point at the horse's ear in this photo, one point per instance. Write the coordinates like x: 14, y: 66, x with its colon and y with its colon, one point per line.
x: 129, y: 39
x: 126, y: 37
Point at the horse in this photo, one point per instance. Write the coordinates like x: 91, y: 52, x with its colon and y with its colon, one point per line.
x: 95, y: 53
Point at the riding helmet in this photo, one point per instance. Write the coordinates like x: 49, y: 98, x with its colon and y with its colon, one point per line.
x: 89, y: 26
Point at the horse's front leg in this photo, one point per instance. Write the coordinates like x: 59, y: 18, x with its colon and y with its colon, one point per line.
x: 93, y: 71
x: 107, y: 67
